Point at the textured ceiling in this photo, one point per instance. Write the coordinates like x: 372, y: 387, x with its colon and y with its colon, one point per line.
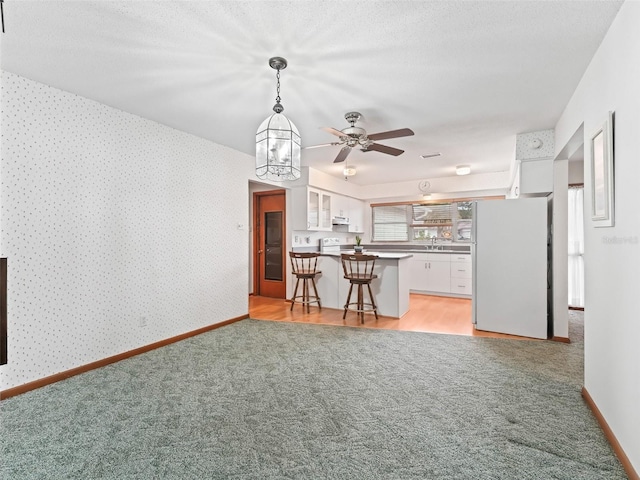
x: 466, y: 77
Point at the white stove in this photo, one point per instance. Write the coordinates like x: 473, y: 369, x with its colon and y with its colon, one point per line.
x: 330, y: 245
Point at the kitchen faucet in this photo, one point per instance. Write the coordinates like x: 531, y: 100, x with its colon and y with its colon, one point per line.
x: 434, y: 240
x: 431, y: 247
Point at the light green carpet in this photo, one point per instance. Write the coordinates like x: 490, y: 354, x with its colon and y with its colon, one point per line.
x: 274, y: 400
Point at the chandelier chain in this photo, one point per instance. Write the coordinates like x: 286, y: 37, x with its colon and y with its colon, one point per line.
x: 278, y: 86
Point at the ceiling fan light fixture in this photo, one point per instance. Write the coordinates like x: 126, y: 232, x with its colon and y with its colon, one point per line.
x: 277, y: 140
x: 463, y: 170
x: 356, y: 137
x: 349, y: 171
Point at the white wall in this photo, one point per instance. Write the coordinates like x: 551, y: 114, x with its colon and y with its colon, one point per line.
x: 108, y: 218
x: 485, y: 184
x: 612, y: 255
x: 560, y: 249
x: 576, y: 172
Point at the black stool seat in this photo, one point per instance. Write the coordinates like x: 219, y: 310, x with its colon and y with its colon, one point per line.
x: 304, y: 267
x: 358, y: 269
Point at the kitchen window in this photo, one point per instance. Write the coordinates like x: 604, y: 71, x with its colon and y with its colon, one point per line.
x: 423, y: 222
x: 463, y: 222
x: 390, y: 223
x: 431, y: 221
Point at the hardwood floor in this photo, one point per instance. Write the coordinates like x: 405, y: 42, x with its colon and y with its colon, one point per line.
x: 426, y: 313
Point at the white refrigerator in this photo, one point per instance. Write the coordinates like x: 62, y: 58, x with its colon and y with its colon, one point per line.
x: 509, y: 247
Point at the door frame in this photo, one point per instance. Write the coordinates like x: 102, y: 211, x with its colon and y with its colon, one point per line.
x: 256, y: 232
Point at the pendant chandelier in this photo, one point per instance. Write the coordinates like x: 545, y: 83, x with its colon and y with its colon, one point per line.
x: 277, y: 140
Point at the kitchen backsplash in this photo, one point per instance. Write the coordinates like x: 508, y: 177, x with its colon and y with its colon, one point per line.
x: 305, y: 241
x: 312, y: 239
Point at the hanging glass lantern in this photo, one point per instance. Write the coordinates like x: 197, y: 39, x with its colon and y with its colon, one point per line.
x: 278, y: 140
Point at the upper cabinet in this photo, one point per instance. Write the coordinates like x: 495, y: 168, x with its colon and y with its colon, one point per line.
x: 315, y: 209
x: 356, y: 215
x: 339, y: 206
x: 350, y: 208
x: 311, y: 209
x: 536, y: 177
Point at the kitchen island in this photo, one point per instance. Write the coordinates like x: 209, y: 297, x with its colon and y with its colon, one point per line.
x: 390, y: 289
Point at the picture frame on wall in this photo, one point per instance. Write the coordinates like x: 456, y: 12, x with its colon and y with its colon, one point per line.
x: 602, y: 175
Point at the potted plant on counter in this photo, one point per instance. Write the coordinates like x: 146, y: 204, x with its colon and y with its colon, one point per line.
x: 358, y: 247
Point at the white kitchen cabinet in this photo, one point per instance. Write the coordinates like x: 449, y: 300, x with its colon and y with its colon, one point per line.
x: 439, y: 274
x: 536, y: 176
x: 325, y: 210
x: 418, y: 272
x: 356, y: 215
x: 461, y: 274
x: 461, y: 286
x: 311, y: 209
x: 430, y: 272
x: 461, y: 258
x: 350, y: 208
x: 339, y: 206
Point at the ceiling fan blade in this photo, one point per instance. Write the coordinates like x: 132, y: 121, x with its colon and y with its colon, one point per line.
x: 342, y: 156
x: 322, y: 145
x: 384, y: 149
x: 403, y: 132
x: 333, y: 131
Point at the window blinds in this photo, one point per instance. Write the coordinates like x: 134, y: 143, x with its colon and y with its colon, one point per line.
x: 432, y: 214
x: 390, y: 223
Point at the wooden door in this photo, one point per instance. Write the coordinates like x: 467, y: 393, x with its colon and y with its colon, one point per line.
x: 269, y: 244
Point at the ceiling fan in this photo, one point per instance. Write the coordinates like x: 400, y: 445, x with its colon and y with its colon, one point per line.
x: 353, y: 136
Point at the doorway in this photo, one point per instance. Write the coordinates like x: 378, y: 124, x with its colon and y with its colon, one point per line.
x: 269, y: 246
x: 576, y: 230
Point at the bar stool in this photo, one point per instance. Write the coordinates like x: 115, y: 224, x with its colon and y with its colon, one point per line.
x: 358, y: 269
x: 304, y: 266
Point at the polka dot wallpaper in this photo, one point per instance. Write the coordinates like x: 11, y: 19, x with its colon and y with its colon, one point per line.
x: 119, y: 231
x: 535, y: 145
